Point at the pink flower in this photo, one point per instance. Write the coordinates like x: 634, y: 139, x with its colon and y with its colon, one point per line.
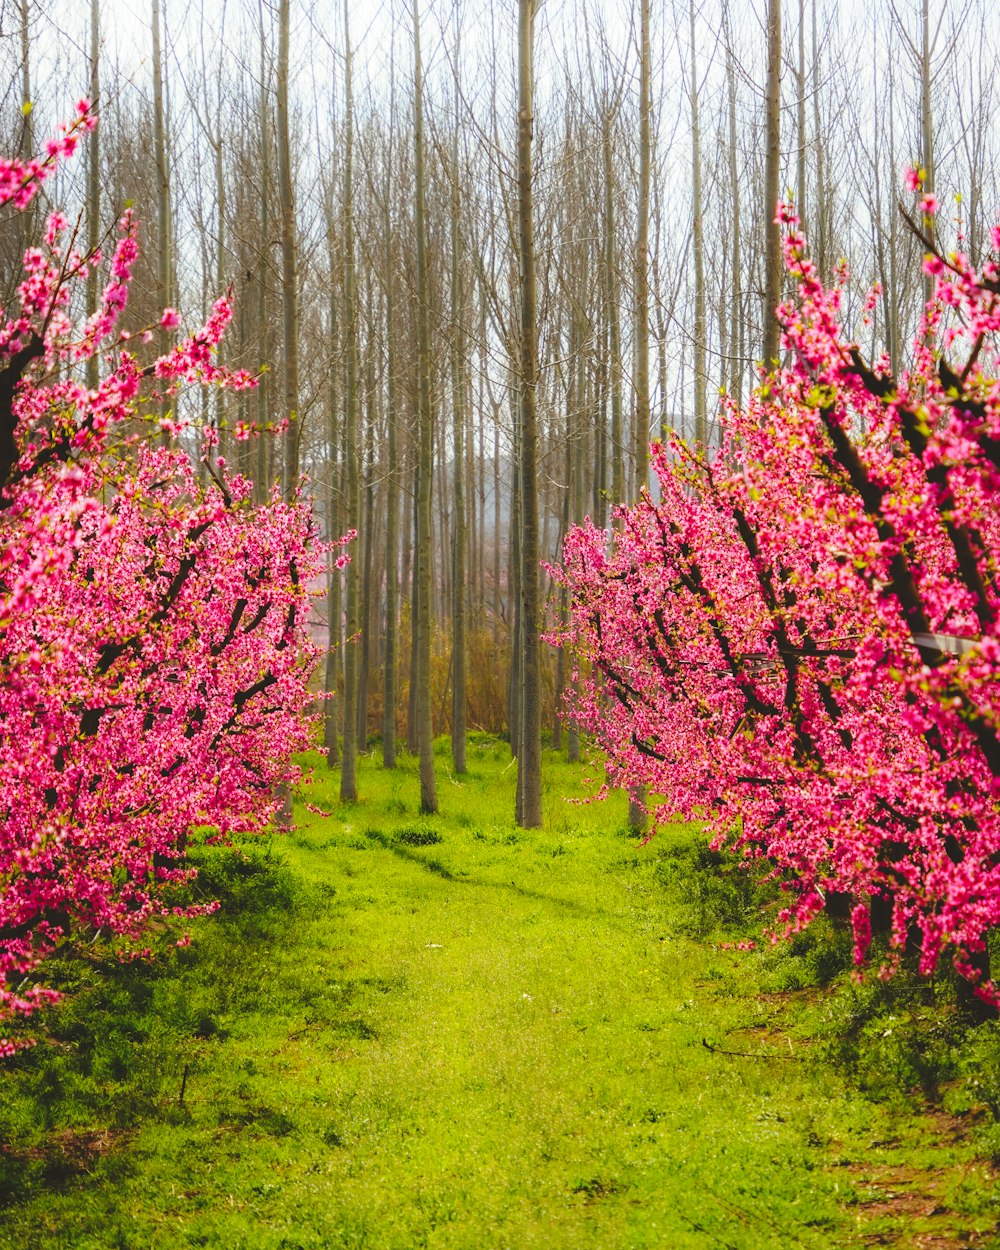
x: 153, y: 633
x: 913, y: 177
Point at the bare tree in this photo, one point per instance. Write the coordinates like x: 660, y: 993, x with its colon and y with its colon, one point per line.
x: 348, y: 767
x: 772, y: 175
x: 425, y: 468
x: 529, y: 759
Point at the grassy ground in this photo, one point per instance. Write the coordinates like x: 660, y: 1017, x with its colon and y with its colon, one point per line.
x: 444, y: 1032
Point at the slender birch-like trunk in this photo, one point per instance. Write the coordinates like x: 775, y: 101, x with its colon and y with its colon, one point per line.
x: 772, y: 236
x: 289, y: 261
x: 93, y: 162
x: 698, y: 245
x: 422, y: 619
x: 642, y: 257
x: 163, y: 224
x: 348, y: 767
x: 611, y: 297
x: 529, y: 759
x: 459, y: 589
x: 389, y: 689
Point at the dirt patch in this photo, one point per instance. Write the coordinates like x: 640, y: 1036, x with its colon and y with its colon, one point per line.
x: 908, y: 1206
x: 69, y: 1152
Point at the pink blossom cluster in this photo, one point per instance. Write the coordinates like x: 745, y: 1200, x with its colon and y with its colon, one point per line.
x: 19, y: 180
x: 153, y: 639
x: 798, y: 643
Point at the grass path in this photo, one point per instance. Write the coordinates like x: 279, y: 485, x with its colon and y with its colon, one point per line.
x: 448, y: 1033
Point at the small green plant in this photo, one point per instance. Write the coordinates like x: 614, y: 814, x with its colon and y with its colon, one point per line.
x: 417, y: 836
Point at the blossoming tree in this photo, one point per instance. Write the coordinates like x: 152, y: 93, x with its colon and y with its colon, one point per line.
x: 798, y: 642
x: 152, y: 629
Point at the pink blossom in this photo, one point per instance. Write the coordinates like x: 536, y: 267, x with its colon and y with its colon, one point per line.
x: 803, y: 653
x: 152, y: 629
x: 913, y: 177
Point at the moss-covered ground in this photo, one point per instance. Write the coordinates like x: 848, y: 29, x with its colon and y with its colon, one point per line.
x: 405, y: 1031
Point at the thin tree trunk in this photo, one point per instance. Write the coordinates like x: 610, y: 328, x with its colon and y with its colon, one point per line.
x: 698, y: 244
x: 412, y: 738
x: 772, y: 236
x: 348, y: 768
x: 576, y: 431
x: 425, y: 729
x: 289, y: 296
x: 572, y: 401
x: 637, y: 794
x: 926, y: 128
x: 614, y: 325
x: 262, y: 484
x: 392, y: 470
x: 289, y: 265
x: 368, y: 530
x: 642, y: 259
x: 497, y: 598
x: 163, y: 226
x: 820, y: 217
x: 220, y: 271
x: 601, y: 430
x: 27, y: 125
x: 459, y: 590
x: 529, y: 759
x: 93, y: 164
x: 800, y: 197
x: 514, y: 584
x: 736, y: 297
x: 331, y: 737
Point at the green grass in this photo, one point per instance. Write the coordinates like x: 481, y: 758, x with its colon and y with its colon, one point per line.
x: 406, y: 1031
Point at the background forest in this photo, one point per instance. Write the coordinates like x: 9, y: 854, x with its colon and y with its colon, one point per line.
x: 271, y: 148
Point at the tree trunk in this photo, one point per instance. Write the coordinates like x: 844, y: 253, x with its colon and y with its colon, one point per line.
x: 391, y: 483
x: 772, y: 235
x: 514, y: 584
x: 459, y: 590
x: 497, y: 599
x: 736, y: 296
x: 637, y: 794
x: 93, y: 164
x: 262, y: 484
x: 642, y: 259
x: 425, y: 730
x: 163, y: 226
x: 820, y: 216
x: 289, y: 265
x: 698, y: 245
x: 220, y: 271
x: 529, y: 759
x: 800, y: 195
x: 348, y: 768
x: 926, y: 128
x: 331, y: 736
x: 614, y: 325
x: 412, y: 735
x: 365, y: 604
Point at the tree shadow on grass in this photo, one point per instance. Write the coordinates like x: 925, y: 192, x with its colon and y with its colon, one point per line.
x: 434, y: 866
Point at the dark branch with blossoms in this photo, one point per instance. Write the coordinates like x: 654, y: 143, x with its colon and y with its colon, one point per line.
x: 153, y: 640
x: 803, y: 632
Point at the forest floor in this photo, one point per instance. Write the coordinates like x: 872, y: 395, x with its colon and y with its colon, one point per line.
x: 405, y: 1031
